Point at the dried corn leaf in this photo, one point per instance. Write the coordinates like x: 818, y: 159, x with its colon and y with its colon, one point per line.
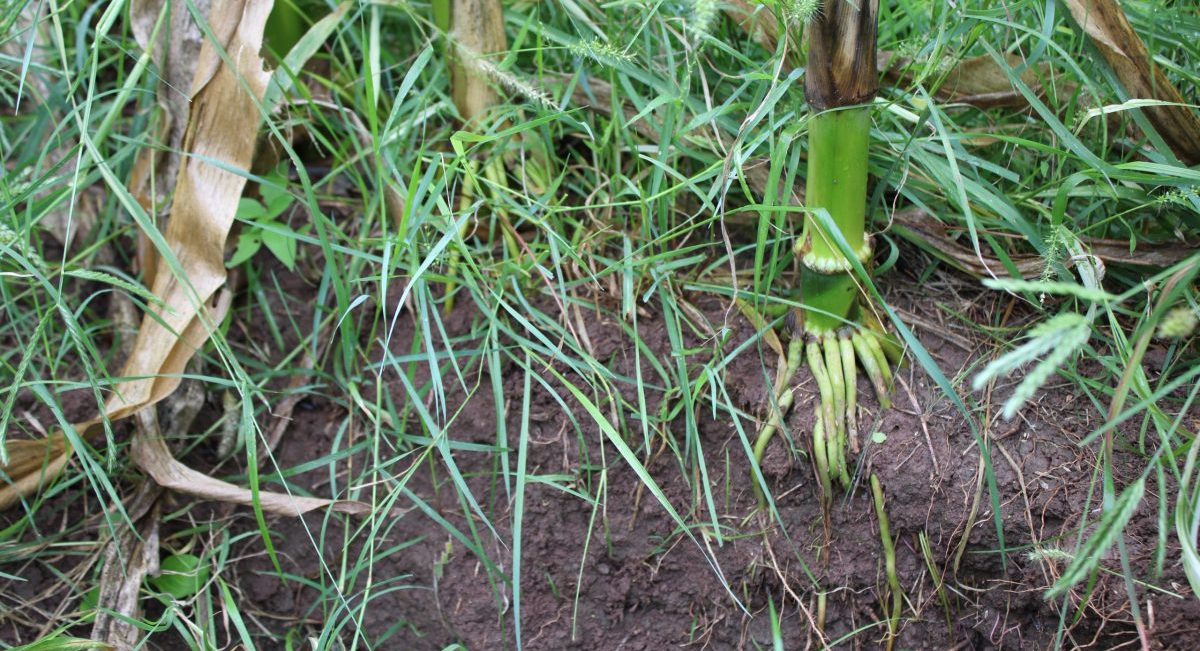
x: 758, y: 23
x: 150, y: 452
x: 979, y: 81
x: 1105, y: 23
x: 935, y: 236
x: 30, y: 464
x: 174, y: 53
x: 221, y: 137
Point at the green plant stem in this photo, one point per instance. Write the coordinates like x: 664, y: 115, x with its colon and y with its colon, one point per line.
x: 829, y: 300
x: 837, y: 182
x: 936, y: 576
x: 465, y: 198
x: 840, y: 83
x: 838, y: 142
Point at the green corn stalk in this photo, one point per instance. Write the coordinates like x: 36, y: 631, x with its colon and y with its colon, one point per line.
x: 841, y: 81
x: 837, y: 182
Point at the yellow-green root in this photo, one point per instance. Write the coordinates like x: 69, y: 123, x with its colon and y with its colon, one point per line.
x: 821, y: 458
x: 895, y: 596
x: 837, y: 430
x: 871, y: 366
x: 794, y: 355
x: 779, y: 409
x: 834, y: 360
x: 816, y: 366
x: 851, y: 373
x: 885, y: 367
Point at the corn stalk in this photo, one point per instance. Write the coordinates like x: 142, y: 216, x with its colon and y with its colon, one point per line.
x: 841, y: 80
x: 475, y: 29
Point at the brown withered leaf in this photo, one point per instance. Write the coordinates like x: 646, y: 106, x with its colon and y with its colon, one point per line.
x: 1109, y: 29
x: 30, y: 464
x: 935, y: 237
x: 758, y: 23
x: 221, y: 135
x: 150, y: 452
x: 222, y: 130
x: 979, y: 81
x: 174, y: 53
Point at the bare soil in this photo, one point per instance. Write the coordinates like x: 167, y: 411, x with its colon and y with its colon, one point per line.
x: 618, y: 573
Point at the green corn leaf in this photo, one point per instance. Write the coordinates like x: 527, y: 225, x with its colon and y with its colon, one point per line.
x: 1112, y: 523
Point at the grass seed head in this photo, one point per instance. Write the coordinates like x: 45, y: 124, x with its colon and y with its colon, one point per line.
x: 510, y: 82
x: 798, y: 12
x: 601, y: 52
x: 704, y: 14
x: 1178, y: 323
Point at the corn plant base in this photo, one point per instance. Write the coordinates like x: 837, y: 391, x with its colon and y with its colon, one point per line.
x: 834, y: 359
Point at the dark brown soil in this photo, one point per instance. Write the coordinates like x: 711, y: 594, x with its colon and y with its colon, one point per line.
x: 619, y: 574
x: 614, y: 571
